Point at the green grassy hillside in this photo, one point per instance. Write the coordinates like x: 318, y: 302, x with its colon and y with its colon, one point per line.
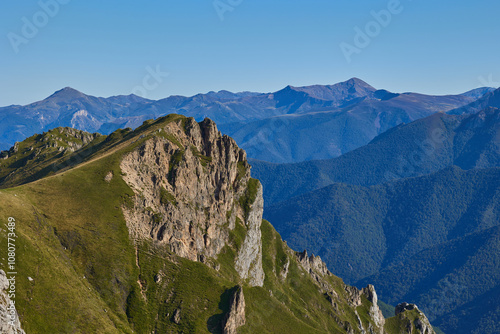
x: 79, y: 272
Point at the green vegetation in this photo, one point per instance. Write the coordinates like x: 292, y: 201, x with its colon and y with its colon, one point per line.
x: 241, y: 170
x: 203, y: 158
x: 248, y: 199
x: 424, y: 240
x: 166, y: 197
x: 90, y: 277
x: 408, y: 150
x: 175, y: 161
x: 170, y: 137
x: 237, y: 235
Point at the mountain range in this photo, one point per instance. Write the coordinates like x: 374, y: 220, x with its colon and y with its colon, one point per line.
x: 160, y: 230
x: 406, y: 197
x: 425, y: 194
x: 401, y: 233
x: 343, y: 116
x: 408, y: 150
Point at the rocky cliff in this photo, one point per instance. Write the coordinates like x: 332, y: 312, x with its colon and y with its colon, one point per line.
x: 160, y: 230
x: 192, y: 187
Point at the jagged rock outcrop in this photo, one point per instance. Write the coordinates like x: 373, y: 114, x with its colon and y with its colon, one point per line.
x: 354, y: 297
x: 375, y: 312
x: 318, y: 271
x: 312, y: 263
x: 189, y: 183
x: 400, y: 308
x: 236, y: 316
x: 316, y: 268
x: 9, y: 319
x: 68, y: 139
x: 416, y: 321
x: 62, y: 139
x: 249, y: 261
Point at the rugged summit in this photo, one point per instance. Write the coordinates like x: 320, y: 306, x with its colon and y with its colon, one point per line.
x: 160, y: 230
x: 414, y: 320
x: 188, y: 182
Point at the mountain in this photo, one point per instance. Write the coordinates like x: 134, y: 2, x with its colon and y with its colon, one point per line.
x: 326, y: 131
x: 491, y: 99
x: 396, y: 220
x: 160, y: 229
x: 419, y: 148
x: 69, y: 107
x: 224, y: 94
x: 459, y: 277
x: 421, y: 238
x: 479, y: 92
x: 348, y: 115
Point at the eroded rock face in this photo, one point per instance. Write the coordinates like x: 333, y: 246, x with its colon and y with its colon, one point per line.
x: 9, y: 319
x: 375, y: 312
x: 417, y: 325
x: 312, y: 263
x: 188, y: 180
x: 249, y: 262
x: 236, y: 316
x: 316, y: 268
x: 404, y: 307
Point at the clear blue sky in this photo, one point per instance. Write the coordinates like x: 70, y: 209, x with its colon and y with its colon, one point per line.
x: 103, y: 48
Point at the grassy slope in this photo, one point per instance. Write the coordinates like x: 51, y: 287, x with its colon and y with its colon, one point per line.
x: 89, y: 278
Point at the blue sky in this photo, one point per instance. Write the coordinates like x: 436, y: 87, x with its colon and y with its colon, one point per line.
x: 108, y: 48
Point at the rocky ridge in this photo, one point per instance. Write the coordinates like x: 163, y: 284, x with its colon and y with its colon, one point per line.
x: 9, y: 319
x: 42, y: 154
x: 236, y: 316
x: 319, y: 272
x: 191, y: 188
x: 194, y: 216
x: 193, y: 191
x: 63, y: 139
x: 415, y: 320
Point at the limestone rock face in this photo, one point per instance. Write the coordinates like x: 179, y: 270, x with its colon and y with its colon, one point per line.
x: 9, y: 319
x: 236, y: 316
x: 375, y: 312
x: 188, y: 181
x: 316, y: 268
x: 312, y: 263
x: 249, y: 262
x: 418, y: 324
x: 353, y: 295
x: 405, y: 307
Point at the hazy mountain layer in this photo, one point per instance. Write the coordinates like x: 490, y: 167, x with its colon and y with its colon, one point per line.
x: 419, y: 148
x: 351, y: 114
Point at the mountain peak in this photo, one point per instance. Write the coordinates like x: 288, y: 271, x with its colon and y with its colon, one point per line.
x: 67, y: 93
x: 340, y: 93
x: 358, y: 82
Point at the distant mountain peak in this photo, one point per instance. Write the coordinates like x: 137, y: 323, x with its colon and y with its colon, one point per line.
x: 478, y: 92
x: 67, y: 93
x: 357, y: 83
x: 491, y: 99
x: 341, y: 92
